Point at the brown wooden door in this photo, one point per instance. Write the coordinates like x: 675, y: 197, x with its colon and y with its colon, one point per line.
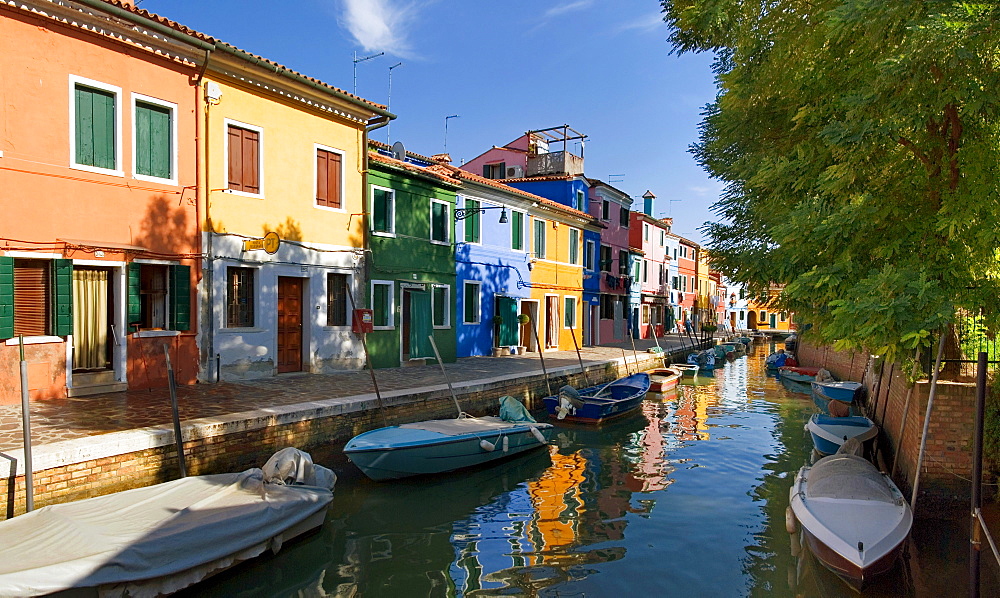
x: 289, y: 324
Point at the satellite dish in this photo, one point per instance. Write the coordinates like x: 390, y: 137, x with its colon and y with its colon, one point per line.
x: 398, y: 151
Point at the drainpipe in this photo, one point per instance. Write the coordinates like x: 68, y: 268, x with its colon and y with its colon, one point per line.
x: 377, y: 123
x: 206, y: 328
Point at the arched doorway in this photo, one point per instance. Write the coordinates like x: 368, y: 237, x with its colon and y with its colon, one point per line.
x: 751, y: 320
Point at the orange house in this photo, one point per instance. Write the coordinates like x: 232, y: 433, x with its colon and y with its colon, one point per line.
x: 99, y: 240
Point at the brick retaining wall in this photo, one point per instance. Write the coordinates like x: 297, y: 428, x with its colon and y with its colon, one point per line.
x: 92, y: 466
x: 947, y: 466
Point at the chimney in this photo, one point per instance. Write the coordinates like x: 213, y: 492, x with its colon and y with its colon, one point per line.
x: 442, y: 158
x: 647, y: 203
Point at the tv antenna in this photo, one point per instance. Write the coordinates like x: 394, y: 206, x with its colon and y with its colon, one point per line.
x: 356, y: 61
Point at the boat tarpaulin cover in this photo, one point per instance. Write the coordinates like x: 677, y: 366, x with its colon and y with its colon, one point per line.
x: 512, y: 410
x: 152, y: 540
x: 847, y: 477
x: 464, y: 425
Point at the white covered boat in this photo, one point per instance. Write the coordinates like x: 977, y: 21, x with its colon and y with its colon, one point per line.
x: 160, y: 539
x: 853, y: 518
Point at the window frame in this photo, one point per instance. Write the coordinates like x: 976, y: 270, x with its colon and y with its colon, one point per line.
x: 318, y: 147
x: 588, y: 253
x: 465, y: 301
x: 391, y: 218
x: 447, y: 222
x: 390, y: 309
x: 138, y: 98
x: 605, y: 210
x: 226, y: 123
x: 574, y: 246
x: 623, y: 267
x: 524, y: 218
x: 255, y: 280
x: 539, y: 225
x: 645, y: 231
x: 472, y: 220
x: 569, y: 305
x: 347, y: 301
x: 581, y: 201
x: 74, y: 82
x: 447, y: 306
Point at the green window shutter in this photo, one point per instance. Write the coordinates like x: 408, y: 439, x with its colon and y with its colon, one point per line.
x: 134, y: 304
x: 95, y: 128
x: 440, y: 300
x: 380, y: 211
x: 62, y: 295
x: 517, y: 231
x: 152, y: 143
x: 439, y: 221
x: 180, y: 298
x: 6, y: 297
x: 380, y: 304
x: 472, y: 221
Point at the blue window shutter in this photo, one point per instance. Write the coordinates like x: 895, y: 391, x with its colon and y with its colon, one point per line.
x: 62, y: 295
x: 180, y: 298
x: 6, y: 297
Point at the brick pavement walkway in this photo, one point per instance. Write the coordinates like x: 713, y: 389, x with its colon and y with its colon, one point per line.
x: 57, y: 420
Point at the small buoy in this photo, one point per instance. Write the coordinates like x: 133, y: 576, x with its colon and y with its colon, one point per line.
x: 506, y: 443
x: 486, y: 446
x: 537, y: 434
x: 790, y: 522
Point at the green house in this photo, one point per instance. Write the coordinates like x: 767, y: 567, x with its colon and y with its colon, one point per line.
x: 411, y: 264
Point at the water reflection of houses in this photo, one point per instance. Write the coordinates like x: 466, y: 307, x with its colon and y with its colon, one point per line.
x: 691, y: 415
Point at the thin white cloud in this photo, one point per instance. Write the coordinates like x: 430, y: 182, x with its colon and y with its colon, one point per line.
x: 380, y: 25
x: 643, y: 24
x: 566, y: 7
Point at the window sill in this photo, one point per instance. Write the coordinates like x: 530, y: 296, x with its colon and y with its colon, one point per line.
x: 237, y: 330
x: 153, y: 179
x: 34, y: 340
x: 383, y: 234
x: 243, y: 194
x: 155, y: 333
x: 442, y: 327
x: 97, y: 170
x: 329, y: 209
x: 377, y: 328
x: 445, y: 243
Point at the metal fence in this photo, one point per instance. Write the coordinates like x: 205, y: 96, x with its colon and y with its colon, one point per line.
x: 970, y: 336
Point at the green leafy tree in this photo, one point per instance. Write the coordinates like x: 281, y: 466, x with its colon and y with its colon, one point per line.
x: 860, y: 147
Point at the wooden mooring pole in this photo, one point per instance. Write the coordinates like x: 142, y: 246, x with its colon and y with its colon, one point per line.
x: 29, y: 481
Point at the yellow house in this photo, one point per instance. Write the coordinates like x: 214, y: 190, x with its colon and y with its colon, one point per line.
x: 282, y: 218
x: 762, y: 314
x: 557, y: 247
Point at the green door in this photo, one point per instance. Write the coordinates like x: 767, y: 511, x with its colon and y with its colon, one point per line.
x: 507, y: 310
x: 420, y: 324
x: 774, y: 321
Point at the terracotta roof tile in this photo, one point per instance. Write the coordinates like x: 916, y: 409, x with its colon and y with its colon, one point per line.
x: 433, y: 171
x: 498, y: 184
x: 139, y: 12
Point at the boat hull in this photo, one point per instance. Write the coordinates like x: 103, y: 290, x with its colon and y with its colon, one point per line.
x: 606, y: 402
x: 394, y: 452
x: 663, y: 379
x: 829, y: 433
x: 844, y: 392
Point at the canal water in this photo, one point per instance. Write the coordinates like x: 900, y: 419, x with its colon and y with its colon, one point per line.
x: 686, y: 498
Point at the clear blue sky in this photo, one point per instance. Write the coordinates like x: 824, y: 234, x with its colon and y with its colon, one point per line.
x: 604, y: 68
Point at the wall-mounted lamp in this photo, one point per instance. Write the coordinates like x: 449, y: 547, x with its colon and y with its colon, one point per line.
x: 462, y: 214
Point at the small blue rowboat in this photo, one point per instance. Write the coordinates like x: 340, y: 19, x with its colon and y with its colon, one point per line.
x: 598, y: 404
x: 440, y: 445
x: 845, y: 392
x: 830, y: 433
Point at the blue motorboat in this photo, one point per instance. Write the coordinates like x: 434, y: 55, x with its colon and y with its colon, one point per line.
x: 705, y: 360
x: 829, y: 433
x: 845, y: 392
x: 598, y: 404
x: 437, y: 446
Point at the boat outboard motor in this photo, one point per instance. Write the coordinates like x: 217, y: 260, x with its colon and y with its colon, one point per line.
x: 569, y: 401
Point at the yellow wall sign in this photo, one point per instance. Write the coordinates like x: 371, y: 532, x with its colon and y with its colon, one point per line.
x: 269, y: 243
